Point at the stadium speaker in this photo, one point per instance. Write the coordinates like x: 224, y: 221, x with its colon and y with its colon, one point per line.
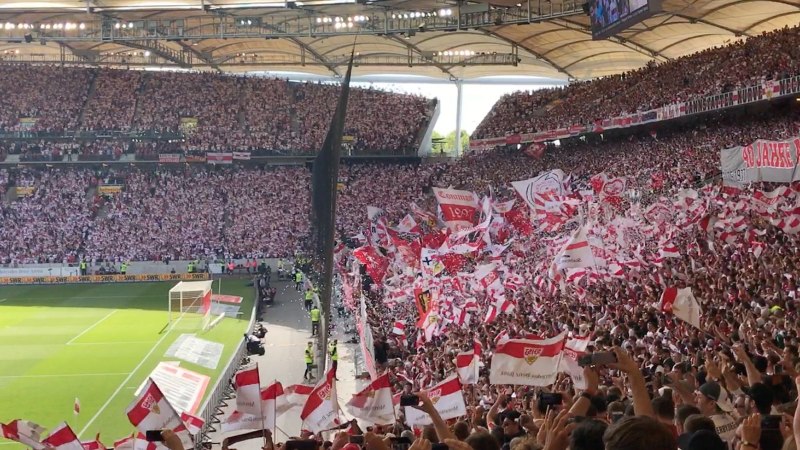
x: 585, y: 7
x: 28, y: 38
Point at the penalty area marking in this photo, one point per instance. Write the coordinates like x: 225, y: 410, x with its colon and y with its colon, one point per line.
x: 126, y: 380
x: 91, y: 327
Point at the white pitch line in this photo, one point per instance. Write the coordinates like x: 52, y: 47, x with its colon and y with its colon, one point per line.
x: 91, y: 327
x: 3, y: 299
x: 67, y: 375
x: 113, y: 343
x: 126, y: 380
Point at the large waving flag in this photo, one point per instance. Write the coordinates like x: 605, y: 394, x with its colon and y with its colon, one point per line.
x: 96, y: 444
x: 459, y: 208
x: 374, y: 403
x: 25, y: 432
x: 297, y: 395
x: 273, y: 403
x: 321, y: 410
x: 577, y: 252
x: 193, y: 423
x: 152, y: 411
x: 447, y: 399
x: 248, y: 391
x: 529, y: 362
x: 682, y: 304
x: 63, y: 438
x: 467, y: 364
x: 573, y: 350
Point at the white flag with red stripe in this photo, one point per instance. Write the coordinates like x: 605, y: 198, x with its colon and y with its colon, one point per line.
x: 467, y: 364
x: 274, y: 402
x: 96, y: 444
x: 574, y: 349
x: 669, y: 250
x: 25, y: 432
x: 528, y: 362
x: 682, y: 304
x: 63, y: 438
x: 447, y: 399
x: 152, y: 411
x: 374, y: 403
x: 321, y: 410
x: 248, y: 391
x: 458, y: 208
x: 193, y: 423
x: 399, y: 328
x: 297, y: 395
x: 577, y: 252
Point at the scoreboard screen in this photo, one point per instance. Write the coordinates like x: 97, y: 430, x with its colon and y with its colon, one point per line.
x: 609, y: 17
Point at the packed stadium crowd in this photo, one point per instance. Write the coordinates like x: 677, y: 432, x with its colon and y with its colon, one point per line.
x: 770, y: 56
x: 723, y: 378
x: 727, y: 381
x: 204, y: 112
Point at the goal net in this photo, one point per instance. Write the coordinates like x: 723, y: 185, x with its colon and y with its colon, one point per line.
x: 191, y: 298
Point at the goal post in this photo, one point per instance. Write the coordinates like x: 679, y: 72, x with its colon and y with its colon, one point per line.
x: 190, y: 297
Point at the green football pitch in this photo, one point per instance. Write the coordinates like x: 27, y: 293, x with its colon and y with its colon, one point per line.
x: 96, y: 342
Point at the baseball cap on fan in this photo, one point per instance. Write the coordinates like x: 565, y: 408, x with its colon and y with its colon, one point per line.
x: 715, y: 392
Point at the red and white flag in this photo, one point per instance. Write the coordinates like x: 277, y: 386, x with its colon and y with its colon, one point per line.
x: 682, y: 304
x: 248, y: 391
x: 321, y: 410
x: 297, y: 395
x: 25, y: 432
x: 76, y: 407
x: 63, y: 438
x: 137, y: 442
x: 459, y: 208
x: 669, y: 250
x: 193, y: 423
x: 152, y: 411
x: 273, y: 403
x: 399, y: 328
x: 574, y: 349
x: 96, y: 444
x: 528, y: 362
x: 446, y: 397
x: 374, y: 403
x: 467, y: 364
x: 576, y: 253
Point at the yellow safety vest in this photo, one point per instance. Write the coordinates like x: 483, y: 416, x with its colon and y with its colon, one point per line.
x: 298, y: 277
x: 315, y: 315
x: 309, y: 295
x: 309, y: 356
x: 334, y: 353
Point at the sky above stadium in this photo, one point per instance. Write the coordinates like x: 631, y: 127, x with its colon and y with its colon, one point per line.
x: 479, y: 95
x: 478, y: 100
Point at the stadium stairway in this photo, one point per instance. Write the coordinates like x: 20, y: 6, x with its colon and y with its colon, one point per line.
x: 89, y: 95
x: 10, y: 195
x: 139, y: 91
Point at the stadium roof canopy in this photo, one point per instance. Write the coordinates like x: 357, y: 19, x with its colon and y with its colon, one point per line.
x: 437, y: 38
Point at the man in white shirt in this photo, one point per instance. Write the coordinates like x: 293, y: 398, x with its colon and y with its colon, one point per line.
x: 714, y: 402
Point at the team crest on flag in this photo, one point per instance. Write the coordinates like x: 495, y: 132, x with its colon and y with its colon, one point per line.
x: 532, y: 354
x: 151, y: 404
x: 325, y: 392
x: 435, y: 395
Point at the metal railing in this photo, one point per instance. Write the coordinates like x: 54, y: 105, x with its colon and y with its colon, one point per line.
x: 222, y: 390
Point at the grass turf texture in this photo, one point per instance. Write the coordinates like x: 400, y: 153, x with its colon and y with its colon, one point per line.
x: 97, y: 342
